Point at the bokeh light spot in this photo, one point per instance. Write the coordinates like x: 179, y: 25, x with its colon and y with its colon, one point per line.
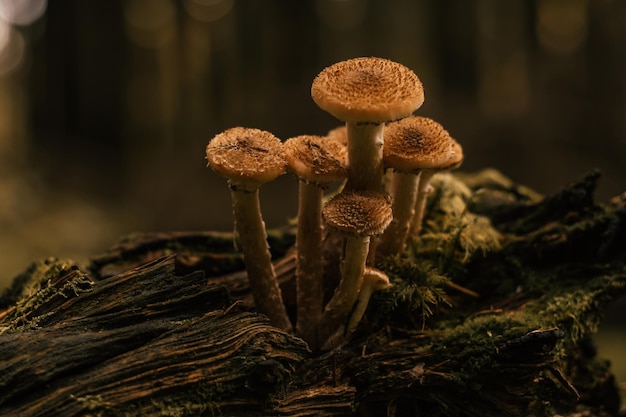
x: 150, y: 23
x: 208, y: 10
x: 22, y: 12
x: 12, y: 48
x: 562, y: 24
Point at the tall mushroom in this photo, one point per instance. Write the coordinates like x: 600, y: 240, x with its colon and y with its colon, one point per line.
x: 359, y: 216
x: 414, y: 147
x: 366, y: 93
x: 317, y: 161
x: 250, y: 158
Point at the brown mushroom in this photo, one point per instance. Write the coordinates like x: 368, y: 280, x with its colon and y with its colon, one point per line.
x: 424, y: 188
x: 359, y: 216
x: 412, y: 145
x: 317, y: 161
x: 249, y: 158
x: 366, y: 93
x: 339, y: 134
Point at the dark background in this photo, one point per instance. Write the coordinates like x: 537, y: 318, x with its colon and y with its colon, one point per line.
x: 106, y: 106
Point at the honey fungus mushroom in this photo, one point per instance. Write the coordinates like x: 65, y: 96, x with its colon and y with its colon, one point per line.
x: 358, y: 216
x: 339, y: 134
x: 415, y: 147
x: 249, y: 158
x: 366, y: 93
x: 317, y: 161
x: 424, y: 188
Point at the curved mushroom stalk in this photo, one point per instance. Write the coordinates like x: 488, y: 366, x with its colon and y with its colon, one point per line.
x: 404, y: 188
x: 352, y: 271
x: 258, y: 260
x: 358, y: 216
x: 373, y: 280
x: 415, y: 148
x: 317, y: 162
x: 249, y: 158
x: 425, y: 189
x: 309, y: 266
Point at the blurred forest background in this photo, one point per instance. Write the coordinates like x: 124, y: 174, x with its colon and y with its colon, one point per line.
x: 106, y: 106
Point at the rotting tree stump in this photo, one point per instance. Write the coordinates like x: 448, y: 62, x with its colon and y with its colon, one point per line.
x: 490, y: 314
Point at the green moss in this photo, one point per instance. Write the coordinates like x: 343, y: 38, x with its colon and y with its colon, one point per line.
x: 29, y: 282
x: 475, y: 344
x: 92, y: 402
x: 521, y: 347
x: 416, y: 292
x: 542, y: 292
x: 452, y: 235
x: 577, y: 305
x: 38, y: 287
x: 452, y: 238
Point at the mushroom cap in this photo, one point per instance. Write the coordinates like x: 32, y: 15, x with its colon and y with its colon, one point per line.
x: 362, y: 213
x: 457, y: 157
x: 339, y: 134
x: 246, y: 156
x: 376, y: 278
x: 367, y: 90
x: 417, y: 143
x: 316, y: 159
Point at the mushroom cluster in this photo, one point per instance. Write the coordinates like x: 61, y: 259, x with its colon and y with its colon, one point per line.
x: 385, y: 157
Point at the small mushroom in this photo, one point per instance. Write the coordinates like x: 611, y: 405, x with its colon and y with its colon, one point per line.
x: 317, y: 161
x: 250, y: 158
x: 412, y: 146
x: 424, y: 188
x: 366, y: 93
x: 373, y: 280
x: 339, y: 134
x: 359, y: 216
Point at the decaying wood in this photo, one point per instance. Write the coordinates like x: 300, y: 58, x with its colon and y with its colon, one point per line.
x: 163, y: 324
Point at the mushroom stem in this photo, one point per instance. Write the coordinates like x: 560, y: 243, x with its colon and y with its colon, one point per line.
x: 423, y: 190
x: 309, y: 269
x: 365, y: 156
x: 373, y: 280
x: 358, y: 216
x: 359, y: 308
x: 253, y: 240
x: 404, y: 192
x: 352, y: 269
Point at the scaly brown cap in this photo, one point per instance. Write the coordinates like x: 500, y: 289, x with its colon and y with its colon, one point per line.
x: 358, y: 213
x: 339, y: 134
x: 367, y: 90
x: 417, y: 143
x: 376, y: 278
x: 316, y: 159
x: 456, y: 159
x: 246, y: 156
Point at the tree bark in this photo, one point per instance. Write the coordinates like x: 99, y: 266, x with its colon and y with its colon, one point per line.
x: 163, y: 324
